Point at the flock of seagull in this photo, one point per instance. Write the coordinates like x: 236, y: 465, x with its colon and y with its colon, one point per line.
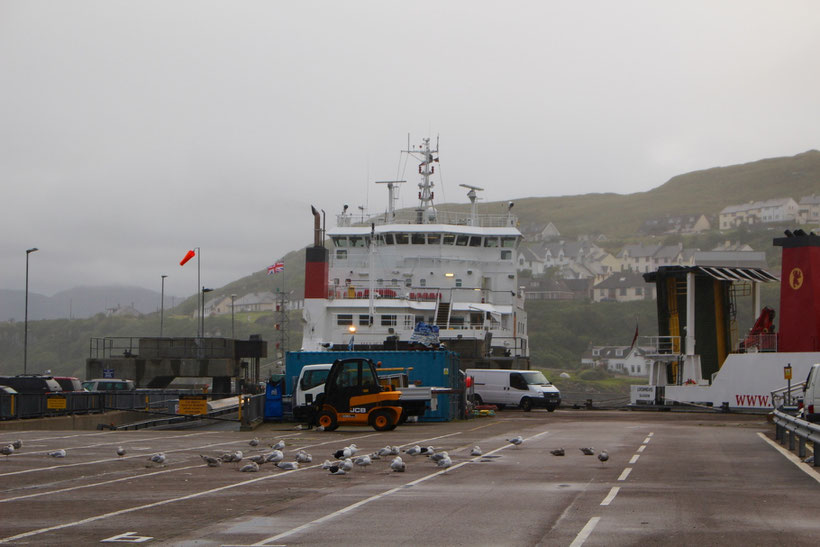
x: 345, y: 459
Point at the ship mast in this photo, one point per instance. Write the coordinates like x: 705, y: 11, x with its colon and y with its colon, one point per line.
x: 426, y: 168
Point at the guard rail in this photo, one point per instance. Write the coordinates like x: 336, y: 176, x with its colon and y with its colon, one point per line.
x: 791, y: 427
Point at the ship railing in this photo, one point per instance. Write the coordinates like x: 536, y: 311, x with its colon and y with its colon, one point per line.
x: 457, y: 218
x: 462, y: 295
x: 798, y: 432
x: 661, y: 347
x: 755, y: 343
x: 788, y: 396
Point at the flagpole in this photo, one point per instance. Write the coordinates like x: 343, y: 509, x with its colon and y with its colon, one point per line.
x: 198, y: 295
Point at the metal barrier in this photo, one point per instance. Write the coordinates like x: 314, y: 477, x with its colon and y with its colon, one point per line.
x: 253, y: 409
x: 786, y: 425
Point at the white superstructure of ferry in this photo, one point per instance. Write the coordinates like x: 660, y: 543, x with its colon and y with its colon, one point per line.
x: 380, y: 278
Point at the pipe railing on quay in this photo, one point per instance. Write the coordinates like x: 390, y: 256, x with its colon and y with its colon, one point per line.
x: 798, y: 432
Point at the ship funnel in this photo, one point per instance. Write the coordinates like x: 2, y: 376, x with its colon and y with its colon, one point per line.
x: 799, y: 292
x: 317, y: 227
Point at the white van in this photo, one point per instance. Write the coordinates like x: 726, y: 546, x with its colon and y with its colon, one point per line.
x: 524, y: 388
x: 811, y: 395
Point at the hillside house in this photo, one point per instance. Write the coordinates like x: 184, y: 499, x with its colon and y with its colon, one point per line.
x: 528, y: 259
x: 623, y: 287
x: 540, y: 232
x: 758, y: 212
x: 648, y: 258
x: 618, y: 359
x: 682, y: 224
x: 808, y: 209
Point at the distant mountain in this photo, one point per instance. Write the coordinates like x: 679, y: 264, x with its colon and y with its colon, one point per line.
x: 79, y: 302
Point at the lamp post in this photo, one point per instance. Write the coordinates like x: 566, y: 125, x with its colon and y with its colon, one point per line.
x: 25, y: 322
x: 202, y: 310
x: 162, y: 305
x: 233, y: 298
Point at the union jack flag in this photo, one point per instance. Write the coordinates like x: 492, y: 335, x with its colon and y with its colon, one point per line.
x: 276, y: 268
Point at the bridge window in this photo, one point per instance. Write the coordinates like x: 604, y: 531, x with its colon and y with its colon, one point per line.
x: 388, y: 320
x: 341, y: 254
x: 402, y: 239
x: 339, y: 241
x: 475, y: 241
x: 433, y: 239
x: 462, y: 240
x: 491, y: 242
x: 344, y: 319
x: 508, y: 242
x: 418, y: 239
x: 448, y: 239
x: 388, y: 239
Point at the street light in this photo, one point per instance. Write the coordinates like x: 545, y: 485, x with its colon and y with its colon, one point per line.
x: 25, y: 323
x: 162, y: 305
x: 233, y: 297
x: 202, y: 311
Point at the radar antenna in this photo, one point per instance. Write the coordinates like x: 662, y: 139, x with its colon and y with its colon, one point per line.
x: 473, y: 198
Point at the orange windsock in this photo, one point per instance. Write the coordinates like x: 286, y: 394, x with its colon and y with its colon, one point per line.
x: 188, y: 256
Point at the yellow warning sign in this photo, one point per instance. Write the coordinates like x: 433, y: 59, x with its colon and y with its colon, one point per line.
x: 193, y: 405
x: 56, y: 402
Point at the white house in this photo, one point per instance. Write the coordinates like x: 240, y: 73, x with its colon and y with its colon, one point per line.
x: 809, y: 209
x: 619, y: 359
x: 758, y: 212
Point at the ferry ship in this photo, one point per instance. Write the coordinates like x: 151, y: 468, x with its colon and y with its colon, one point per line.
x: 420, y: 278
x: 709, y: 364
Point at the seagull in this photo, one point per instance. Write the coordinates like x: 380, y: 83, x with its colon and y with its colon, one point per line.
x: 287, y: 466
x: 328, y: 464
x: 254, y: 441
x: 18, y: 444
x: 394, y: 450
x: 159, y: 457
x: 343, y: 453
x: 516, y: 440
x: 603, y: 456
x: 303, y: 457
x: 250, y: 467
x: 320, y: 428
x: 398, y: 465
x: 347, y: 464
x: 258, y: 459
x: 374, y: 456
x: 274, y: 456
x: 353, y: 449
x: 444, y: 462
x: 414, y: 451
x: 427, y: 450
x: 237, y: 456
x: 438, y: 456
x: 7, y: 450
x: 557, y: 452
x: 476, y: 451
x: 386, y: 451
x: 336, y: 470
x: 120, y: 451
x: 61, y: 454
x: 211, y: 461
x: 587, y: 451
x: 362, y: 461
x: 279, y: 445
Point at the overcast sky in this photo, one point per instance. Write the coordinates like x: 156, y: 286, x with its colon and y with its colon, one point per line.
x: 133, y: 131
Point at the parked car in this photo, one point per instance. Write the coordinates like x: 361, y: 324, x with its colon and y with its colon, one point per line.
x: 811, y: 397
x: 69, y: 383
x: 31, y: 383
x: 109, y: 384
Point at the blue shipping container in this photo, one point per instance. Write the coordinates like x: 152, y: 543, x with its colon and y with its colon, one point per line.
x: 439, y: 368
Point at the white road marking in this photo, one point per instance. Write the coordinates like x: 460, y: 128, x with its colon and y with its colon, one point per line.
x: 642, y: 448
x: 625, y: 474
x: 143, y: 455
x: 634, y: 459
x: 52, y: 492
x: 806, y: 468
x: 375, y: 497
x: 127, y: 537
x: 651, y: 433
x: 585, y: 532
x: 149, y: 505
x: 646, y: 440
x: 611, y: 496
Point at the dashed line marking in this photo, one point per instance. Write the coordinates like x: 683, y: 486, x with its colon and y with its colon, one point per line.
x: 585, y: 532
x: 646, y: 440
x: 651, y: 433
x: 641, y: 448
x: 625, y: 474
x: 611, y: 496
x: 634, y: 459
